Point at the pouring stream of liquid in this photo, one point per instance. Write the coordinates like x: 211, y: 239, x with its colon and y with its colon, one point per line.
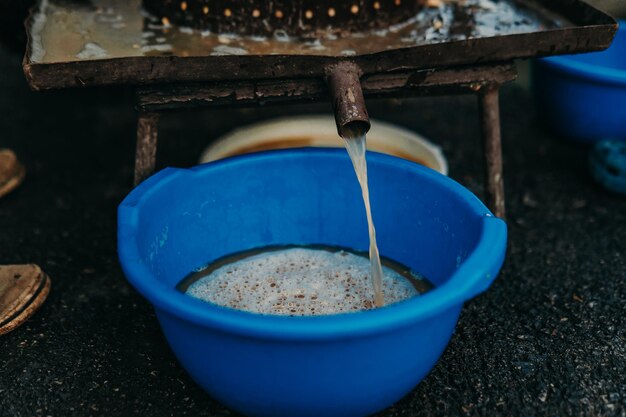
x: 356, y: 146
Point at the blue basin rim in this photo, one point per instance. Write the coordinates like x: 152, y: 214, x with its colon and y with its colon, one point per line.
x: 472, y: 277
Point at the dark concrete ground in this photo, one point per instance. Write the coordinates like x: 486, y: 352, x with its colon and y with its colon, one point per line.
x: 548, y: 339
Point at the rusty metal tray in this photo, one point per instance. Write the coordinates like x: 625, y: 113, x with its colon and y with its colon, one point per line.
x: 108, y: 42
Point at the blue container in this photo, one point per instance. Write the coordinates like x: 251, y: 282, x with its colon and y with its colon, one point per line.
x: 341, y: 365
x: 607, y: 161
x: 583, y: 97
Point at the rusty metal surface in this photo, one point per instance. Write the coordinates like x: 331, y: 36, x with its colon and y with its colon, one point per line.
x: 181, y: 96
x: 346, y: 96
x: 588, y: 30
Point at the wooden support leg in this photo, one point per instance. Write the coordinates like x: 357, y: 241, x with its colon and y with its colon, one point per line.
x: 490, y: 115
x: 145, y: 153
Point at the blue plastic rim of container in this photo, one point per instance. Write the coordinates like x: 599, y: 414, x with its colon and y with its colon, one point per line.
x: 583, y: 97
x: 339, y: 365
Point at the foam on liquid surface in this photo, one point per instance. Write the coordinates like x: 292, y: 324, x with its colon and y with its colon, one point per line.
x: 299, y: 282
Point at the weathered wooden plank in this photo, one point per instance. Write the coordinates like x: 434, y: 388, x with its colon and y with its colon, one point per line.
x: 252, y: 93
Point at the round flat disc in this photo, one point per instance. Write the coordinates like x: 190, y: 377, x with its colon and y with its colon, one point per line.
x: 23, y: 289
x: 11, y: 171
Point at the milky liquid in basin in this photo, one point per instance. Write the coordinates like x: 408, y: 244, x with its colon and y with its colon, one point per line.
x: 299, y: 281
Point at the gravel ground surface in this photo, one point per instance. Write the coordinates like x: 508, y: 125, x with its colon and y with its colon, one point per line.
x: 548, y: 339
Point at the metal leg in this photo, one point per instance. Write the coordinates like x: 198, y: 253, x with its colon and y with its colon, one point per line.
x: 145, y: 153
x: 490, y: 115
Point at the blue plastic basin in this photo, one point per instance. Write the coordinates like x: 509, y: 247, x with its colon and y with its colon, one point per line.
x: 342, y: 365
x: 583, y: 97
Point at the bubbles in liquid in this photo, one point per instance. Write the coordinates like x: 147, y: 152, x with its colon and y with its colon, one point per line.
x: 299, y: 282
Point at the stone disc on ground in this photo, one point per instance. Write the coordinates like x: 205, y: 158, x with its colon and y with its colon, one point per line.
x: 11, y: 171
x: 23, y: 289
